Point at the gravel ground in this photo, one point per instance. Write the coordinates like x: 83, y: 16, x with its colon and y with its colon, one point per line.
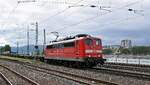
x: 2, y: 81
x: 14, y: 79
x: 130, y: 68
x: 40, y: 77
x: 122, y: 80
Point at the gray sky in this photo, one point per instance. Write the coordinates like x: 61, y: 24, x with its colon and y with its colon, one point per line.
x: 113, y: 22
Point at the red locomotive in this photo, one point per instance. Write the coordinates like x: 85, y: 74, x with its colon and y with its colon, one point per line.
x: 81, y: 49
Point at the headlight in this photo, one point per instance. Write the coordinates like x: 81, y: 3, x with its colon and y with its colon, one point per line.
x: 89, y: 55
x: 99, y: 55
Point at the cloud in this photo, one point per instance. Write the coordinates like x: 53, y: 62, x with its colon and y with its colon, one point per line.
x: 112, y: 27
x: 3, y: 41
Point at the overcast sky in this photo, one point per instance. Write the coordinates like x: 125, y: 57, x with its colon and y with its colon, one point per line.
x: 110, y: 20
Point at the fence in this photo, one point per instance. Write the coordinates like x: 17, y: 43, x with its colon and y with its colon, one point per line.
x: 129, y: 59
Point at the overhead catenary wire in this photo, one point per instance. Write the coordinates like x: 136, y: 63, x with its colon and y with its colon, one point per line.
x: 80, y: 22
x: 58, y: 13
x: 95, y: 17
x: 61, y: 12
x: 74, y: 5
x: 120, y: 21
x: 70, y: 14
x: 99, y: 7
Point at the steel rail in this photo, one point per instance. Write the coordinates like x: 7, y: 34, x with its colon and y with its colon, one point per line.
x: 5, y: 78
x: 69, y: 75
x: 20, y: 75
x: 127, y: 64
x: 127, y: 67
x: 73, y: 75
x: 139, y: 75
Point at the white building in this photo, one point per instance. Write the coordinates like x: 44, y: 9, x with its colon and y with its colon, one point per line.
x: 126, y: 43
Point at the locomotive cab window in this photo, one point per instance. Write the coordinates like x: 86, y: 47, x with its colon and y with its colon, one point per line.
x: 49, y: 47
x: 70, y: 44
x: 98, y: 42
x: 89, y: 41
x: 60, y: 45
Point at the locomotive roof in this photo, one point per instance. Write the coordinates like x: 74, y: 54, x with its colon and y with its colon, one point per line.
x: 65, y: 41
x: 70, y: 39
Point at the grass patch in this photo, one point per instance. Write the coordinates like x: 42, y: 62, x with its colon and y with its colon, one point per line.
x: 20, y: 59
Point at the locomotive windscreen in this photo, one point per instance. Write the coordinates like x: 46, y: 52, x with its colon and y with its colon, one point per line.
x: 89, y: 41
x: 98, y: 42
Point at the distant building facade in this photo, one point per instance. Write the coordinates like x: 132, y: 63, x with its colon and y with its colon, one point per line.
x: 126, y: 43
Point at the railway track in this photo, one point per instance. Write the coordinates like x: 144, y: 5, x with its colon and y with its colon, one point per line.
x: 86, y: 80
x: 132, y: 67
x: 4, y: 80
x: 81, y: 79
x: 126, y: 64
x: 74, y: 77
x: 14, y: 78
x: 122, y: 72
x: 69, y: 76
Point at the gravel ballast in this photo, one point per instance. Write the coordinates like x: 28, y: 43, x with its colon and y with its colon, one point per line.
x: 40, y: 77
x: 122, y: 80
x: 2, y: 81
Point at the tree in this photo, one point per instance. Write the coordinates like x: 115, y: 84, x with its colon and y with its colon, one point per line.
x: 107, y: 51
x: 141, y: 50
x: 125, y: 51
x: 5, y: 48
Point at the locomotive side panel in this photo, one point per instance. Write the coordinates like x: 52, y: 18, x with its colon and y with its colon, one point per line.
x: 80, y: 49
x: 65, y: 51
x: 83, y: 49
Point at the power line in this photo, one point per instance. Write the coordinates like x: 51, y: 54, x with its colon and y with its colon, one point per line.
x: 89, y: 5
x: 58, y: 13
x: 55, y: 2
x: 92, y: 18
x: 119, y: 21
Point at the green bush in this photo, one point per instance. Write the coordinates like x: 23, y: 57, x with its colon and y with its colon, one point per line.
x: 141, y: 50
x: 125, y: 51
x: 107, y: 51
